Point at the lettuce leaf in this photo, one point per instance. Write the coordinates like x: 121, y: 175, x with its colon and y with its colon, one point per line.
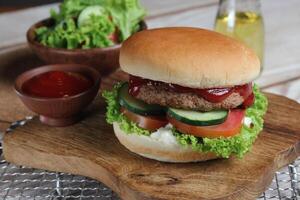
x: 113, y: 113
x: 126, y: 15
x: 68, y: 35
x: 224, y: 147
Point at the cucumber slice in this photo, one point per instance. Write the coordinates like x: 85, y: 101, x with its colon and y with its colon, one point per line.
x: 197, y: 118
x: 137, y: 106
x: 85, y: 14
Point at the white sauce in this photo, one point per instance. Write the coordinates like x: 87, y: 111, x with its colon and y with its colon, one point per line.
x: 247, y: 121
x: 164, y: 135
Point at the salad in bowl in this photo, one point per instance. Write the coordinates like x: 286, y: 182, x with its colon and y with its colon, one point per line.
x: 87, y: 32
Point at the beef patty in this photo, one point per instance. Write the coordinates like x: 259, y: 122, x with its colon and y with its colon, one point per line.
x: 190, y: 101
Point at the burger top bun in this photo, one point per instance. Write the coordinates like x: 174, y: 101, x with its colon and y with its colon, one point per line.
x: 189, y: 57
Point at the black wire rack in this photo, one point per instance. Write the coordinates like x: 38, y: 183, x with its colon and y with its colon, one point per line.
x: 18, y: 182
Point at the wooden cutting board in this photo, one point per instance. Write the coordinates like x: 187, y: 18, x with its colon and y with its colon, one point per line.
x: 90, y: 149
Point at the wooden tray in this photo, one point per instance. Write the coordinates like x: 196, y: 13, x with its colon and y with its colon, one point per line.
x: 91, y: 149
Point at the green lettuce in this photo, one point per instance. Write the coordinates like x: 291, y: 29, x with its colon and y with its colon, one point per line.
x: 224, y: 147
x: 122, y: 16
x: 113, y: 113
x: 68, y: 35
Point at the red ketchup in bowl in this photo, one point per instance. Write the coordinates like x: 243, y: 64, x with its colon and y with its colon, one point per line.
x: 214, y: 95
x: 57, y: 84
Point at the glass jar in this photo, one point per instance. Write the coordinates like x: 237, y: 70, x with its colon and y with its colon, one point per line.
x: 242, y: 19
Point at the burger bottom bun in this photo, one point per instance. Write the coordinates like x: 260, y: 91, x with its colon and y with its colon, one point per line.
x: 150, y: 148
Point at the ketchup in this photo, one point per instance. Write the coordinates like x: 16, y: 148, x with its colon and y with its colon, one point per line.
x: 249, y: 101
x: 213, y: 95
x: 57, y: 84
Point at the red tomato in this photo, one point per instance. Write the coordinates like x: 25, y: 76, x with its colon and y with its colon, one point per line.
x: 230, y: 127
x: 113, y: 37
x: 151, y: 123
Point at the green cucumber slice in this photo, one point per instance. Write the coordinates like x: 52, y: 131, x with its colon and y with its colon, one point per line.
x: 85, y: 14
x: 137, y: 106
x: 198, y: 118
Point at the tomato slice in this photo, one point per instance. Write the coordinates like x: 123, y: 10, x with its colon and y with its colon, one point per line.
x: 113, y: 37
x: 230, y: 127
x: 151, y: 123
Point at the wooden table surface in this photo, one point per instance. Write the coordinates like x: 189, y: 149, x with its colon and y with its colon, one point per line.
x: 281, y: 73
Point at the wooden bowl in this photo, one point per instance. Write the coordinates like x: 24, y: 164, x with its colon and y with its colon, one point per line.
x: 105, y: 60
x: 62, y: 111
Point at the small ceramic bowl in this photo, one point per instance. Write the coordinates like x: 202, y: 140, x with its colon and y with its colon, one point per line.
x: 105, y: 60
x: 62, y: 111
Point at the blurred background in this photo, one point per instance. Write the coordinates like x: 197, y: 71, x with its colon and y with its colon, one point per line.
x: 12, y: 5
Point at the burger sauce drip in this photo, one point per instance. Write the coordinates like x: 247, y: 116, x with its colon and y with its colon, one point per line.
x: 214, y: 95
x: 57, y: 84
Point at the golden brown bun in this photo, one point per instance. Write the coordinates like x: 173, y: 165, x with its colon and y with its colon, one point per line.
x: 149, y: 148
x: 190, y: 57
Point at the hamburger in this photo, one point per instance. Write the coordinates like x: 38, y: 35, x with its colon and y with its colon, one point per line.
x: 189, y: 97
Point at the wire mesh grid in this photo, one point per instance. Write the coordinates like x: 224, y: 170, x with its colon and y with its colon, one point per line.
x: 18, y: 182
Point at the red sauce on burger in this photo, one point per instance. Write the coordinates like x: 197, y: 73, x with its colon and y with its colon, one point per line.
x: 214, y: 95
